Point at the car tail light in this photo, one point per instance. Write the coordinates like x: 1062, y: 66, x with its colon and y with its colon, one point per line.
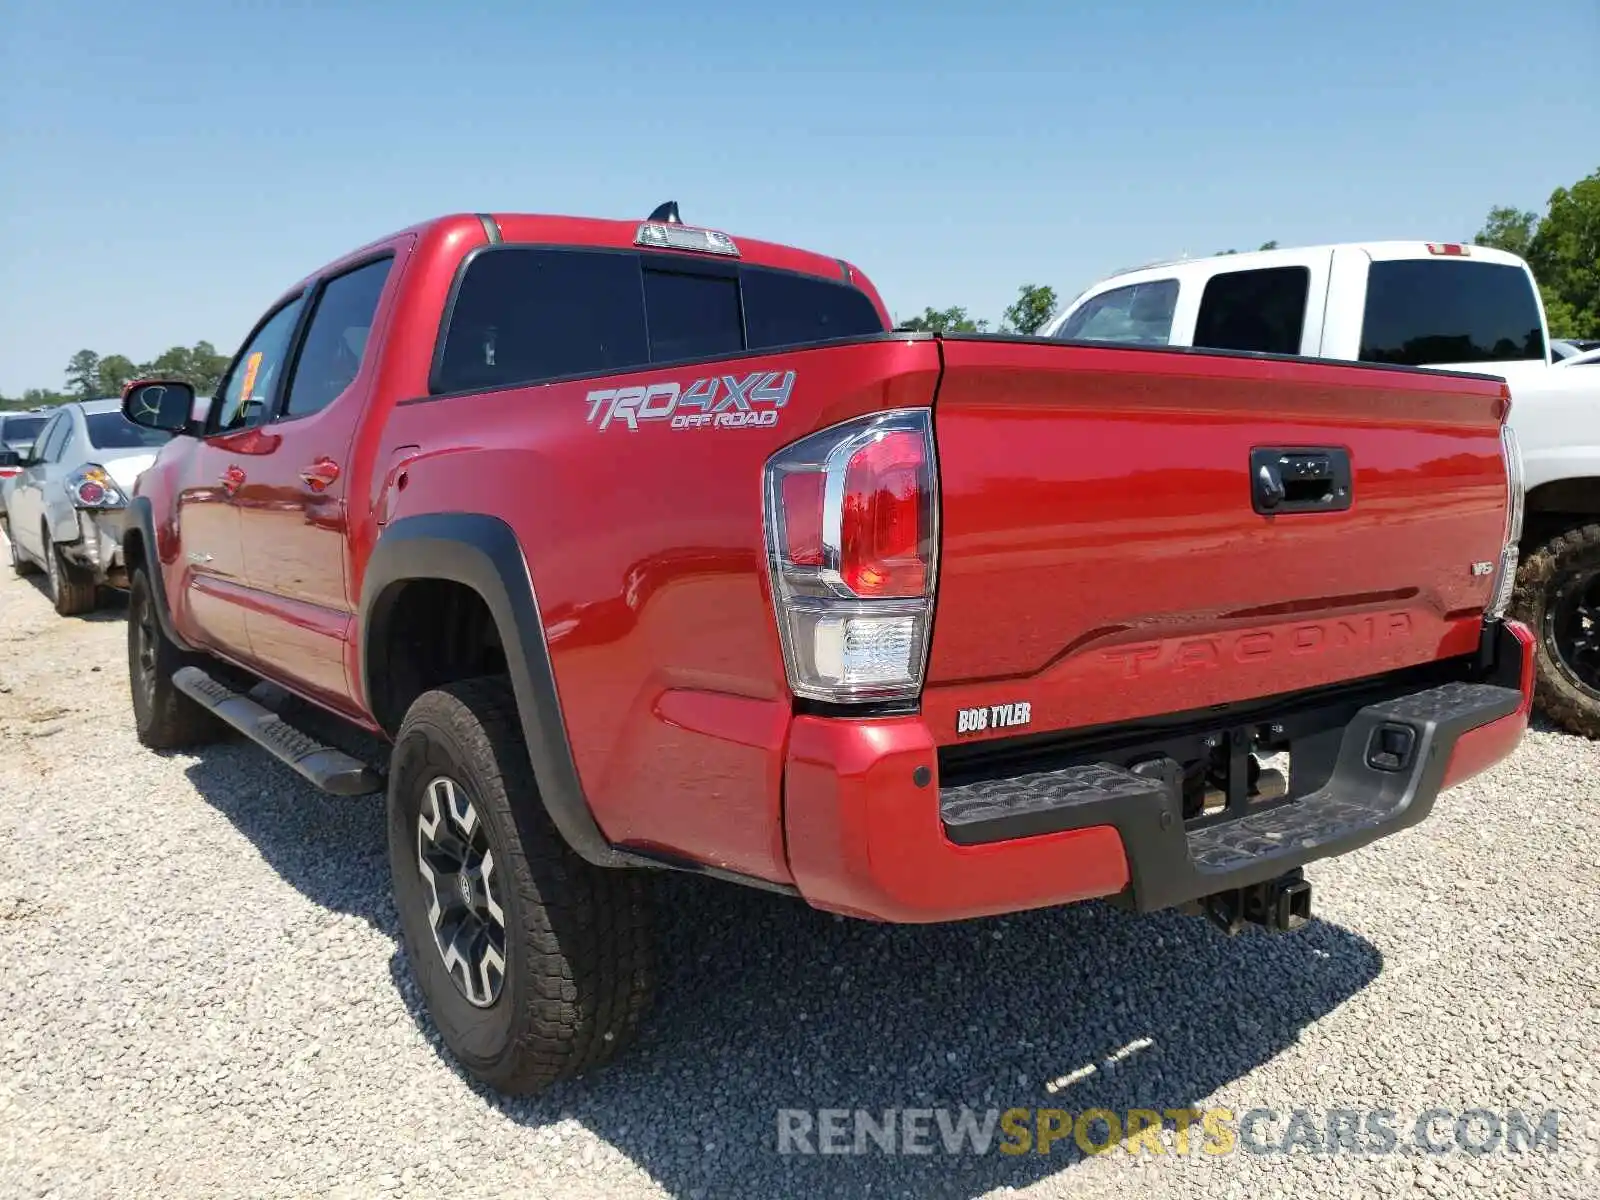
x: 1506, y: 577
x: 9, y: 472
x: 1450, y: 249
x: 852, y: 542
x: 91, y: 487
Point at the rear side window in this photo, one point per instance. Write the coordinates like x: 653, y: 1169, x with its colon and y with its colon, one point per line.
x: 525, y: 315
x: 55, y: 441
x: 1140, y: 313
x: 1262, y: 311
x: 1421, y: 311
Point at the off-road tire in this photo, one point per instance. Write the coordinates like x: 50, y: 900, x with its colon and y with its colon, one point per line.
x: 1539, y: 581
x: 72, y: 589
x: 21, y: 564
x: 163, y: 717
x: 579, y: 957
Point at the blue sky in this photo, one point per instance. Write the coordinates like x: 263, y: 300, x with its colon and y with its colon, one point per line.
x: 169, y: 167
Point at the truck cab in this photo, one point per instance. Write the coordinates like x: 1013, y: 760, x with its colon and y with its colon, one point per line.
x: 1436, y: 305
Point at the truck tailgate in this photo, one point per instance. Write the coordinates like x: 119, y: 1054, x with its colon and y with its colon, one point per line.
x: 1102, y: 556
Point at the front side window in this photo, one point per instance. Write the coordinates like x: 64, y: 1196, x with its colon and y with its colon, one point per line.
x: 336, y: 340
x: 113, y: 431
x: 1423, y: 312
x: 1262, y: 311
x: 1140, y: 313
x: 247, y: 394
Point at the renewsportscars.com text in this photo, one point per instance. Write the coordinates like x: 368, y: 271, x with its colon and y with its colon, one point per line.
x: 1214, y: 1131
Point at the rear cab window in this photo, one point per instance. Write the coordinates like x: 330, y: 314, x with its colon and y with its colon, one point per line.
x: 530, y: 314
x: 1422, y: 312
x: 1262, y: 311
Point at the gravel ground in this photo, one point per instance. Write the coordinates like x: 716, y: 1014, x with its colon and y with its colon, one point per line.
x: 201, y: 993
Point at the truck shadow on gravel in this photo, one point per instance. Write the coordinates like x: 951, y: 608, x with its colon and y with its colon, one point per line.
x: 765, y: 1004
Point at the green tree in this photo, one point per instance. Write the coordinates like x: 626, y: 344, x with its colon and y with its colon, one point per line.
x: 1508, y: 229
x: 199, y: 364
x: 83, y: 375
x: 1565, y: 257
x: 1033, y: 307
x: 116, y: 371
x: 1272, y: 245
x: 948, y: 320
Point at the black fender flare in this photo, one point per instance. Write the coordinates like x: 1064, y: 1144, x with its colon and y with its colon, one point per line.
x: 141, y: 522
x: 482, y: 553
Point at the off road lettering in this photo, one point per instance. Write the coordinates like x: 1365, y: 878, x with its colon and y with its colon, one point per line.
x: 717, y: 402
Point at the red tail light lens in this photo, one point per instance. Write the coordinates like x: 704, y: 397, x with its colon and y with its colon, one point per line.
x: 884, y: 537
x: 802, y: 517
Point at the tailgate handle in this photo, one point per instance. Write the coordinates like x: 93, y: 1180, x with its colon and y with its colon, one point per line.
x: 1288, y: 479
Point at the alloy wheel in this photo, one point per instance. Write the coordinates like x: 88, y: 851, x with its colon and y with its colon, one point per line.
x: 1572, y: 628
x: 465, y: 914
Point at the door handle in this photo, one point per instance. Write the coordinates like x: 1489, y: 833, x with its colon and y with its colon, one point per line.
x: 232, y: 480
x: 320, y: 474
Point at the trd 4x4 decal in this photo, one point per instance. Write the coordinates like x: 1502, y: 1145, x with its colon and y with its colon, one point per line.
x: 718, y: 402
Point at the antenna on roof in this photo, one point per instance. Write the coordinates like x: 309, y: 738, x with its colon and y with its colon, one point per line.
x: 666, y: 213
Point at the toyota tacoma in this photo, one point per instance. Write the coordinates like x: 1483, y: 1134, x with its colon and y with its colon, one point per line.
x: 643, y: 547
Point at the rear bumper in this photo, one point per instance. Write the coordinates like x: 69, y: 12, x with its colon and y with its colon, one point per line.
x: 99, y: 546
x: 873, y: 831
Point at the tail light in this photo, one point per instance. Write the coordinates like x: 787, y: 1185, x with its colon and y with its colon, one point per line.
x: 1506, y: 578
x: 852, y: 541
x: 9, y: 472
x: 90, y: 487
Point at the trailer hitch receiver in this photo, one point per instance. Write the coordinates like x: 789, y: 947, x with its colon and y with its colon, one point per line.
x: 1281, y: 905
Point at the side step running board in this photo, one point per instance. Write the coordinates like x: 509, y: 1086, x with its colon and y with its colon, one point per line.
x: 331, y: 770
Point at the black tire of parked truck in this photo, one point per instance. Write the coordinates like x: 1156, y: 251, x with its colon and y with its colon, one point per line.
x: 1558, y: 597
x: 72, y: 588
x: 535, y: 965
x: 163, y: 717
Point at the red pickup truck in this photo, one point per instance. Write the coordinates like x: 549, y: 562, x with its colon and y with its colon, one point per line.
x: 646, y: 547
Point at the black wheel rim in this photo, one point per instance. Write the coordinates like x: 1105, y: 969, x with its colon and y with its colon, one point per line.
x: 458, y: 874
x: 1572, y: 628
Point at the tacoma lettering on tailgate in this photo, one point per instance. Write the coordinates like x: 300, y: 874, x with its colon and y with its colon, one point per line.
x: 1259, y: 645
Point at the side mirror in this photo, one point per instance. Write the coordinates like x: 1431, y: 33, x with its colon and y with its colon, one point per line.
x: 159, y: 404
x: 10, y: 457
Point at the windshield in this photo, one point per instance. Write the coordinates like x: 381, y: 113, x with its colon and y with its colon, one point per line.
x: 21, y: 429
x: 113, y: 431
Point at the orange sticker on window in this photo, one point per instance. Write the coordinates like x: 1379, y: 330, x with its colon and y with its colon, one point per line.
x: 251, y: 366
